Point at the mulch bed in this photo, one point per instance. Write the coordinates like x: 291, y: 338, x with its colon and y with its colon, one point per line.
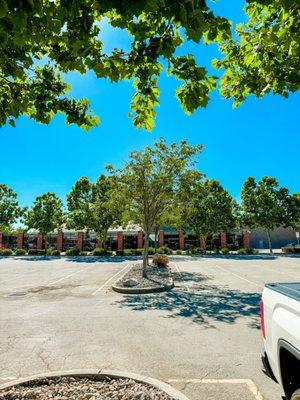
x: 71, y: 388
x: 155, y: 277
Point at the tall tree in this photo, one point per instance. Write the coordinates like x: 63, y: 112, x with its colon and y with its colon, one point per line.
x: 80, y: 204
x: 266, y: 205
x: 207, y: 209
x: 93, y: 206
x: 9, y: 208
x: 150, y: 180
x: 42, y: 40
x: 107, y: 210
x: 46, y: 215
x: 296, y: 197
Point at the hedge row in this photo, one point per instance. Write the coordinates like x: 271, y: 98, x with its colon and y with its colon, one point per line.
x: 126, y: 252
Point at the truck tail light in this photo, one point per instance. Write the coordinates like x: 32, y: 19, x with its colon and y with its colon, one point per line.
x: 262, y: 318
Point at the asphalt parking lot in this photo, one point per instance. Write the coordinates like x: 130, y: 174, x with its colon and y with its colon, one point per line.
x: 202, y: 337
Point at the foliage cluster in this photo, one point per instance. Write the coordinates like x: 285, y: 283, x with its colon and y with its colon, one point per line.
x: 160, y: 260
x: 41, y: 41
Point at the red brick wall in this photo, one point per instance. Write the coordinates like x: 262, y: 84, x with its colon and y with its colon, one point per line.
x: 246, y: 239
x: 161, y: 238
x: 20, y: 240
x: 140, y: 240
x: 120, y: 241
x: 223, y: 239
x: 80, y: 238
x: 59, y: 241
x: 39, y: 243
x: 181, y: 241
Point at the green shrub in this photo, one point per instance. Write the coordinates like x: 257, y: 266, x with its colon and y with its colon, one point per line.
x: 225, y: 250
x: 55, y: 252
x: 192, y: 250
x: 40, y: 252
x: 7, y: 252
x: 120, y: 253
x: 98, y: 252
x: 151, y: 251
x: 72, y: 251
x: 128, y: 252
x: 139, y: 252
x: 160, y: 260
x: 199, y: 250
x: 20, y: 252
x: 83, y: 253
x: 178, y: 252
x: 164, y: 250
x: 290, y: 249
x: 247, y: 250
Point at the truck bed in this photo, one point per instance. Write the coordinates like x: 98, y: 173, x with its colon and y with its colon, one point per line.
x: 290, y: 289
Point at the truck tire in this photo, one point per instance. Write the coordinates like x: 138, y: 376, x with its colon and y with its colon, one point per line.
x: 296, y: 395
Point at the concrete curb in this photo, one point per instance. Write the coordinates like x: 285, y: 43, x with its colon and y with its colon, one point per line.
x: 102, y: 375
x: 154, y: 289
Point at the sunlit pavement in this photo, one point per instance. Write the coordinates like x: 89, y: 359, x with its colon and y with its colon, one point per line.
x: 203, y: 337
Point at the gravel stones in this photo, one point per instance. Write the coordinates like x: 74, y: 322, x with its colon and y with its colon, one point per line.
x: 130, y: 282
x: 75, y: 388
x: 155, y: 277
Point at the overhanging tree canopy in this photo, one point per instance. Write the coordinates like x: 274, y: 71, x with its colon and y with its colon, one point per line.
x: 40, y: 40
x: 266, y: 55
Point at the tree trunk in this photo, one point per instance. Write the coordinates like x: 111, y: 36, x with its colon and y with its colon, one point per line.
x: 202, y: 241
x: 270, y: 242
x: 145, y: 254
x: 156, y: 237
x: 45, y: 244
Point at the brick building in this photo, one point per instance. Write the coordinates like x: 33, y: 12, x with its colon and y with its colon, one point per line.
x: 119, y: 238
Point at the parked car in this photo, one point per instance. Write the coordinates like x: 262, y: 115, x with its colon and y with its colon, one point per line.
x: 280, y: 325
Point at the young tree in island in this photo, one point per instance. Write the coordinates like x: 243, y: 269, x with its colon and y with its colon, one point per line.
x: 207, y: 208
x: 149, y: 181
x: 93, y: 206
x: 46, y: 215
x: 266, y: 205
x: 9, y: 208
x: 40, y: 41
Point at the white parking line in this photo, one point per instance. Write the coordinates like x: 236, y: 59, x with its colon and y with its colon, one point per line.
x: 250, y: 384
x: 110, y: 279
x: 67, y: 276
x: 239, y: 276
x: 179, y: 272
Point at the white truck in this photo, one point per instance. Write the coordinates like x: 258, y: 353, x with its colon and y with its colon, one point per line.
x: 280, y: 325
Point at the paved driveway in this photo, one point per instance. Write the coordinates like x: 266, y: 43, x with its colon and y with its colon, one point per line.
x: 203, y: 337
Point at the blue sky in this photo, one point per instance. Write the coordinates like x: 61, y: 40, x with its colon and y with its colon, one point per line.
x: 261, y: 137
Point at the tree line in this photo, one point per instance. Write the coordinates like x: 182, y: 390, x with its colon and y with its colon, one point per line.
x: 158, y: 185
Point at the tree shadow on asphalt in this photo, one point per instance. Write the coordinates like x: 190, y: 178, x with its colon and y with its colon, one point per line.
x: 201, y: 302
